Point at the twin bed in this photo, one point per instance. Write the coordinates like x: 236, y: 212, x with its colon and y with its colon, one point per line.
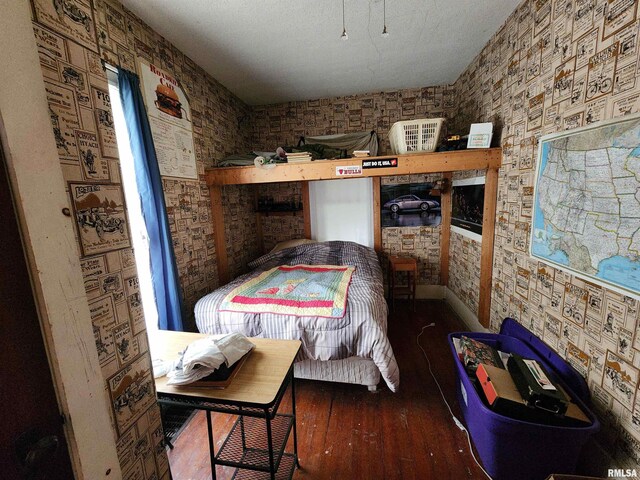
x: 353, y: 348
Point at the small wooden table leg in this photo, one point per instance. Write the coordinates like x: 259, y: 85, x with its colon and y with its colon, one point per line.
x: 414, y: 279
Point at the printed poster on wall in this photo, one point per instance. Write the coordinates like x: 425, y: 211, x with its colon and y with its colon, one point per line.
x: 467, y: 207
x: 100, y: 217
x: 71, y: 18
x: 409, y: 205
x: 170, y: 120
x: 131, y: 392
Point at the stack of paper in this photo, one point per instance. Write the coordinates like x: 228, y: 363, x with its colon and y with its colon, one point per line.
x: 298, y: 157
x: 361, y: 153
x: 480, y: 135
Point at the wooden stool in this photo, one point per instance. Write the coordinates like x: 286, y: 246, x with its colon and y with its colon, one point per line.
x: 410, y: 266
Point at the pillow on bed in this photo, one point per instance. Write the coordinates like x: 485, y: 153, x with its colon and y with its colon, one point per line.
x: 290, y: 244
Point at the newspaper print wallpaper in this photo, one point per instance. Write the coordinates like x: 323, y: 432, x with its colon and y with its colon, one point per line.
x: 240, y: 227
x: 284, y: 124
x: 241, y: 221
x: 278, y: 228
x: 464, y: 270
x: 71, y: 45
x: 532, y: 79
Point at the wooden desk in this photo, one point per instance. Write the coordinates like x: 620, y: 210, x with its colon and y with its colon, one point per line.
x: 254, y: 393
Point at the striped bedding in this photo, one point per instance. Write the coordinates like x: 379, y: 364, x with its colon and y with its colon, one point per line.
x: 361, y: 332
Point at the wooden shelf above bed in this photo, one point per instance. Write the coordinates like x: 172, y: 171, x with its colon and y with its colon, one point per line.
x: 415, y: 163
x: 489, y: 160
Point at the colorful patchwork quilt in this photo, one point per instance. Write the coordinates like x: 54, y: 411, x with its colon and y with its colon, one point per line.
x: 300, y: 290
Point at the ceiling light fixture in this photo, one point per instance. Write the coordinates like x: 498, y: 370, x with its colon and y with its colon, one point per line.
x: 344, y: 35
x: 385, y: 34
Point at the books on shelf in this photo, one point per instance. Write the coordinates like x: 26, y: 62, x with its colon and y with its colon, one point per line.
x: 298, y: 157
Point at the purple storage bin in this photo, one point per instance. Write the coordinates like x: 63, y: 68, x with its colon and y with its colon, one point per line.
x: 513, y: 449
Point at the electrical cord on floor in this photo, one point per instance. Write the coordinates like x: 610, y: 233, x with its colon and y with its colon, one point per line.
x: 455, y: 419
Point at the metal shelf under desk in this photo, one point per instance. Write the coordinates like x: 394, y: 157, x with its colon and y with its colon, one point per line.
x: 256, y: 443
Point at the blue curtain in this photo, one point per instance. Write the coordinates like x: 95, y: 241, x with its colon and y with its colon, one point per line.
x: 163, y: 265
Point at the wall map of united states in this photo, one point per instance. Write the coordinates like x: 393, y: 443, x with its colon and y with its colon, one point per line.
x: 587, y: 203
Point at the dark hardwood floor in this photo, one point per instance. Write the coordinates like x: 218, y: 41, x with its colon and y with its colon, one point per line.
x: 347, y: 432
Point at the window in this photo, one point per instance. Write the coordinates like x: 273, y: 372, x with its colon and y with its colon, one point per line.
x: 137, y: 225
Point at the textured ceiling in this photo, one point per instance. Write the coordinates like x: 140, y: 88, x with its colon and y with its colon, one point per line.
x: 268, y: 51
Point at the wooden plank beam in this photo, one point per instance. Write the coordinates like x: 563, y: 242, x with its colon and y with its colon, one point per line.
x: 486, y: 255
x: 259, y: 237
x: 473, y: 159
x: 306, y: 209
x: 445, y: 228
x: 377, y: 224
x: 217, y: 217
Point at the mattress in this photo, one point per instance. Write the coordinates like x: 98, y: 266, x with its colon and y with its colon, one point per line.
x: 360, y: 333
x: 354, y: 370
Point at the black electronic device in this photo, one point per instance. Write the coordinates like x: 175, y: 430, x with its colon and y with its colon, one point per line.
x: 535, y: 386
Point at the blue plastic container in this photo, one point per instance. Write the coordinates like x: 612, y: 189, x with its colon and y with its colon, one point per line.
x: 513, y: 449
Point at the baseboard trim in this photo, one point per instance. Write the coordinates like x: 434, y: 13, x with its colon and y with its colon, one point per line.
x: 468, y: 317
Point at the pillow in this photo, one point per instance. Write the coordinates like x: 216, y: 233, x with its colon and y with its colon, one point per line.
x: 290, y: 244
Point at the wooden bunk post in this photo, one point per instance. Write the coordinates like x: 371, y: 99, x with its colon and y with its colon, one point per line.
x: 306, y: 209
x: 217, y: 217
x: 486, y: 256
x: 445, y: 228
x: 377, y: 228
x: 260, y: 239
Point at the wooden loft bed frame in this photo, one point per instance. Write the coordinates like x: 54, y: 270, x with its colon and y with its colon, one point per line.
x: 489, y: 160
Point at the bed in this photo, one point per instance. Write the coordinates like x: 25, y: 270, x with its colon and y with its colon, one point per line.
x: 352, y: 349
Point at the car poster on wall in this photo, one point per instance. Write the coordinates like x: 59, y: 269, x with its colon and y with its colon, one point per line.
x: 409, y: 205
x: 170, y: 120
x: 100, y: 216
